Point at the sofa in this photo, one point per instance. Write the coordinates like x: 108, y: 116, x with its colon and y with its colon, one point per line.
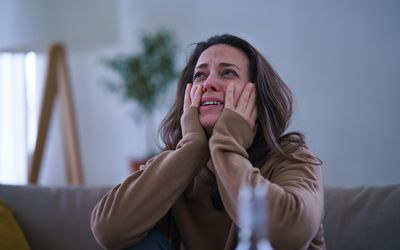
x: 366, y: 217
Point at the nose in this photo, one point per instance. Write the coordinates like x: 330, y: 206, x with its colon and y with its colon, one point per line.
x: 211, y: 84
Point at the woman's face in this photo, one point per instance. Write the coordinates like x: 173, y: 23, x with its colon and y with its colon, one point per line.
x: 217, y: 67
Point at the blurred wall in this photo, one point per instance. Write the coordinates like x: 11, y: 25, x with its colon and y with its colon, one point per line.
x: 340, y: 58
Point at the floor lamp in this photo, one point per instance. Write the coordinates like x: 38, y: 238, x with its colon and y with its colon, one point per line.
x: 57, y: 85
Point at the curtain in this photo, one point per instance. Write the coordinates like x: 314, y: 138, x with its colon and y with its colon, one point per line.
x: 19, y: 104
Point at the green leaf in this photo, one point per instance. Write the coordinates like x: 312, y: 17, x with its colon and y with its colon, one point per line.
x: 144, y: 76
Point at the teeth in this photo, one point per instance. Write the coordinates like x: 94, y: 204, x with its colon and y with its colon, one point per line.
x: 211, y: 103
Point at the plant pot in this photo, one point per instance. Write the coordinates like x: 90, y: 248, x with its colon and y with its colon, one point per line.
x: 135, y: 164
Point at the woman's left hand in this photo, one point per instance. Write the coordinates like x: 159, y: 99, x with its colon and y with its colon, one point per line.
x: 246, y: 105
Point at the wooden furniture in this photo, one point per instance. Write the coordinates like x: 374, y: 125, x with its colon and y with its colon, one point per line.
x: 57, y: 84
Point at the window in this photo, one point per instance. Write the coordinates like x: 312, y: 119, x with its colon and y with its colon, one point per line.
x: 21, y: 84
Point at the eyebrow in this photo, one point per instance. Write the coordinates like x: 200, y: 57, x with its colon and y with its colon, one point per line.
x: 222, y: 64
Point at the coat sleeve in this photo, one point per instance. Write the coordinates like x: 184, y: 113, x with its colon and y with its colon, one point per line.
x: 125, y: 214
x: 295, y: 193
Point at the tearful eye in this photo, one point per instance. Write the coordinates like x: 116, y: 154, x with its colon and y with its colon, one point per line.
x: 198, y: 76
x: 230, y: 73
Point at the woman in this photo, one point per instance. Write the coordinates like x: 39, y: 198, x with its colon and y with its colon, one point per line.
x: 226, y: 128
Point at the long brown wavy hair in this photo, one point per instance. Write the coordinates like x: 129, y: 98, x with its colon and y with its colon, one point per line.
x: 274, y: 102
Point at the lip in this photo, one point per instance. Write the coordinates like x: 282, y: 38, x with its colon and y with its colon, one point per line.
x: 210, y: 107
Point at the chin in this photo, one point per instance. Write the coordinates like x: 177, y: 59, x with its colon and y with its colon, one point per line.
x: 208, y: 121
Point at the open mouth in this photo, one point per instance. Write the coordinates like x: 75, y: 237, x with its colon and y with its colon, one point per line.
x: 210, y: 103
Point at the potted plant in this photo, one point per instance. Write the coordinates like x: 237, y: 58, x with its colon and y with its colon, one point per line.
x: 144, y: 76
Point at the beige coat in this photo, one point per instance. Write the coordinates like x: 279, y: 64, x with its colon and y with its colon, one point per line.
x: 180, y: 181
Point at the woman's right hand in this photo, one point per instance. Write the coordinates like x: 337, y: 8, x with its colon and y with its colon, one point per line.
x: 190, y: 114
x: 192, y: 96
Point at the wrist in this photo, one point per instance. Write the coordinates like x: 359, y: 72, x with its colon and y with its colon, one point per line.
x: 233, y: 125
x: 190, y: 123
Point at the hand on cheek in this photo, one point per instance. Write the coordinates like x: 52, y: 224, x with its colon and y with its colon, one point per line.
x: 246, y: 104
x: 192, y: 96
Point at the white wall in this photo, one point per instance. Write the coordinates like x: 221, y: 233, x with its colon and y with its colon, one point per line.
x: 340, y: 58
x: 36, y: 24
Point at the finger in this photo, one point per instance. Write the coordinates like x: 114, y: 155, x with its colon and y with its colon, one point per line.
x: 193, y: 91
x: 251, y: 106
x: 244, y: 98
x: 197, y: 96
x: 186, y: 101
x: 251, y: 101
x: 229, y: 97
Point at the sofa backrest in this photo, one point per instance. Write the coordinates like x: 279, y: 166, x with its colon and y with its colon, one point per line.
x: 362, y: 218
x: 59, y: 217
x: 54, y: 217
